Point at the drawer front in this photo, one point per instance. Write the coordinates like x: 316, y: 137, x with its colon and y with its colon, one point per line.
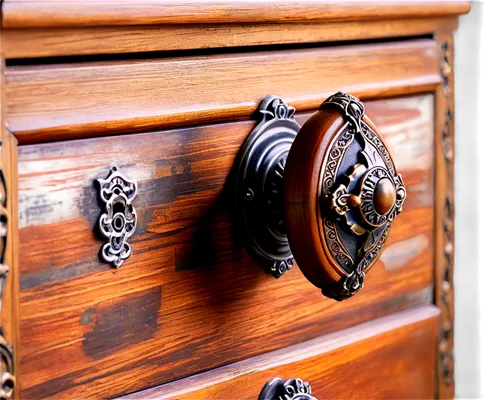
x: 381, y: 359
x: 190, y: 298
x: 68, y: 101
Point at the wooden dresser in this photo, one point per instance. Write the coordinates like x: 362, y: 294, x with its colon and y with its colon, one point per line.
x: 172, y: 226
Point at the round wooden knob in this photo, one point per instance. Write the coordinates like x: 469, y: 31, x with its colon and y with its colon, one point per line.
x: 325, y: 194
x: 341, y: 194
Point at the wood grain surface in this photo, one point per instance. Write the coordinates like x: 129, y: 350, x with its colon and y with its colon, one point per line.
x: 50, y: 102
x: 380, y: 359
x: 190, y: 298
x: 58, y: 13
x: 53, y: 42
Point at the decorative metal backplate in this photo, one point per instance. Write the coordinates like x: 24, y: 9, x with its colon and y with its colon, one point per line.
x: 119, y: 219
x: 291, y: 389
x: 259, y: 185
x: 8, y: 380
x: 361, y: 193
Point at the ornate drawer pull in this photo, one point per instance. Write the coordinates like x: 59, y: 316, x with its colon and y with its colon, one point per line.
x: 118, y: 219
x: 291, y: 389
x: 327, y: 193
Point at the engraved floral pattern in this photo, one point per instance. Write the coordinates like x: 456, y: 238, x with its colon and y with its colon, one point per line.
x: 350, y: 197
x: 337, y: 249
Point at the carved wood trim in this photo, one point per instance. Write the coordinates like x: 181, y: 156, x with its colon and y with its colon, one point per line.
x: 444, y: 223
x: 8, y: 251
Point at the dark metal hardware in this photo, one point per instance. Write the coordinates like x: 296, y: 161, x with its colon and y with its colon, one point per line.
x: 291, y: 389
x: 8, y: 379
x: 119, y: 218
x: 350, y: 180
x: 259, y: 185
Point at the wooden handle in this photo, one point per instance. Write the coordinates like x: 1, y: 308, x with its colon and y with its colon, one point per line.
x: 341, y: 194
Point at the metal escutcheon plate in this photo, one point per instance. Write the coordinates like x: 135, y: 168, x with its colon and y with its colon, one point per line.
x: 259, y: 185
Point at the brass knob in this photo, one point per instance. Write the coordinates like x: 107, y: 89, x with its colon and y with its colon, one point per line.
x: 325, y: 194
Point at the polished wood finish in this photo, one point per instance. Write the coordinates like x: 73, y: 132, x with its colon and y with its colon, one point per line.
x: 380, y: 359
x: 51, y: 102
x: 445, y: 214
x: 190, y: 298
x: 45, y: 42
x: 57, y: 13
x: 302, y: 198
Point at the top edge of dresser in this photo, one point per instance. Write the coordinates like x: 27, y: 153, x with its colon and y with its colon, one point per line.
x: 56, y: 13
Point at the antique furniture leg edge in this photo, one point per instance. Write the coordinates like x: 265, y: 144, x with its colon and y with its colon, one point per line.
x: 444, y: 216
x: 9, y: 288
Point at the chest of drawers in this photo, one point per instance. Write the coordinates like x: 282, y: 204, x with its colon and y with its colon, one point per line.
x: 125, y: 271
